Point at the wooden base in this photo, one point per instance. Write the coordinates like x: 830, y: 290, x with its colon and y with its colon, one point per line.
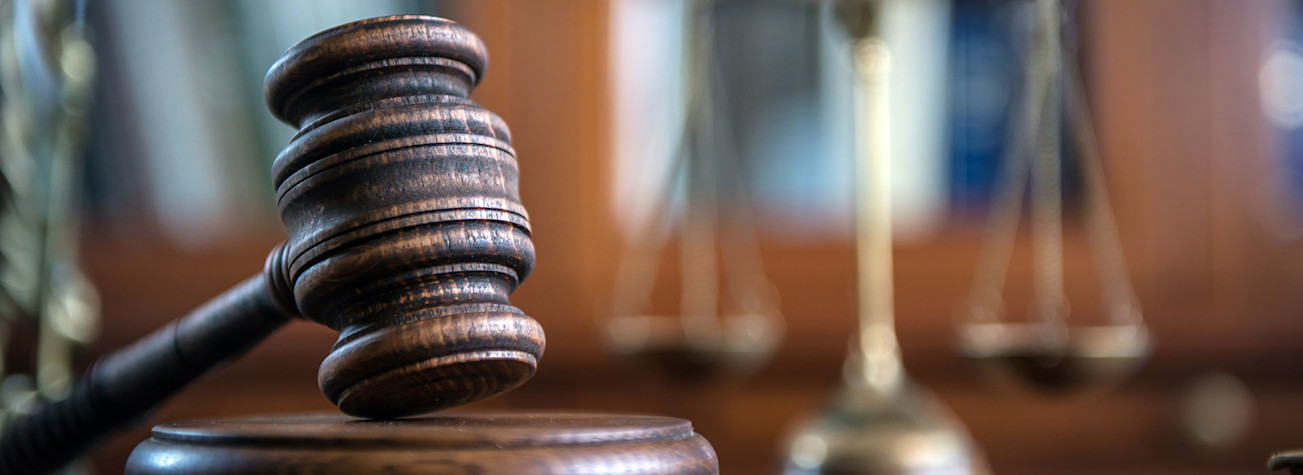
x: 507, y: 443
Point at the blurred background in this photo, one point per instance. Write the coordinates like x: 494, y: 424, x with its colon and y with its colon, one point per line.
x: 1198, y: 107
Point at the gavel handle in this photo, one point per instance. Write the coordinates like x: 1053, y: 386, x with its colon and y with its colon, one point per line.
x: 123, y: 387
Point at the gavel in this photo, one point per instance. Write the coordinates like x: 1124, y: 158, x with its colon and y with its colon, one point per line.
x: 405, y: 233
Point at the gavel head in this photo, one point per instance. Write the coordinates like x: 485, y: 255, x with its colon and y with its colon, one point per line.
x: 406, y: 232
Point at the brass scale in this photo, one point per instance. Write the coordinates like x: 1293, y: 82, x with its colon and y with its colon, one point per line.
x: 880, y: 421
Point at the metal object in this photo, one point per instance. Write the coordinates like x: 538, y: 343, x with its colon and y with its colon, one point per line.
x: 879, y: 422
x: 1046, y: 353
x: 708, y: 336
x: 46, y: 68
x: 1289, y: 460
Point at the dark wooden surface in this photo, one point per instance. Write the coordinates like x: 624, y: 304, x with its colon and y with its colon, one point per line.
x: 493, y: 442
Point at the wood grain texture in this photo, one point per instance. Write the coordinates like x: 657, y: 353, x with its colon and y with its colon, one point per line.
x: 406, y: 231
x: 406, y: 234
x: 510, y: 442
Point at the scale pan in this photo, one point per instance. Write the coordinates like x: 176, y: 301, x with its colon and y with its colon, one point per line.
x: 1069, y: 361
x: 745, y: 343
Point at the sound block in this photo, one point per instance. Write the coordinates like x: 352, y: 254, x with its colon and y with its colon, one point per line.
x: 487, y: 443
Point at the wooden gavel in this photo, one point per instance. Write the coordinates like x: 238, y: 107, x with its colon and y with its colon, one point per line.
x: 406, y: 235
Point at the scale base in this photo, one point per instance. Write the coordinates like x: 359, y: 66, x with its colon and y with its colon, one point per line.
x: 865, y: 431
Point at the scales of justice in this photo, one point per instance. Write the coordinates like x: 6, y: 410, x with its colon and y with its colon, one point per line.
x: 881, y: 422
x: 406, y: 235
